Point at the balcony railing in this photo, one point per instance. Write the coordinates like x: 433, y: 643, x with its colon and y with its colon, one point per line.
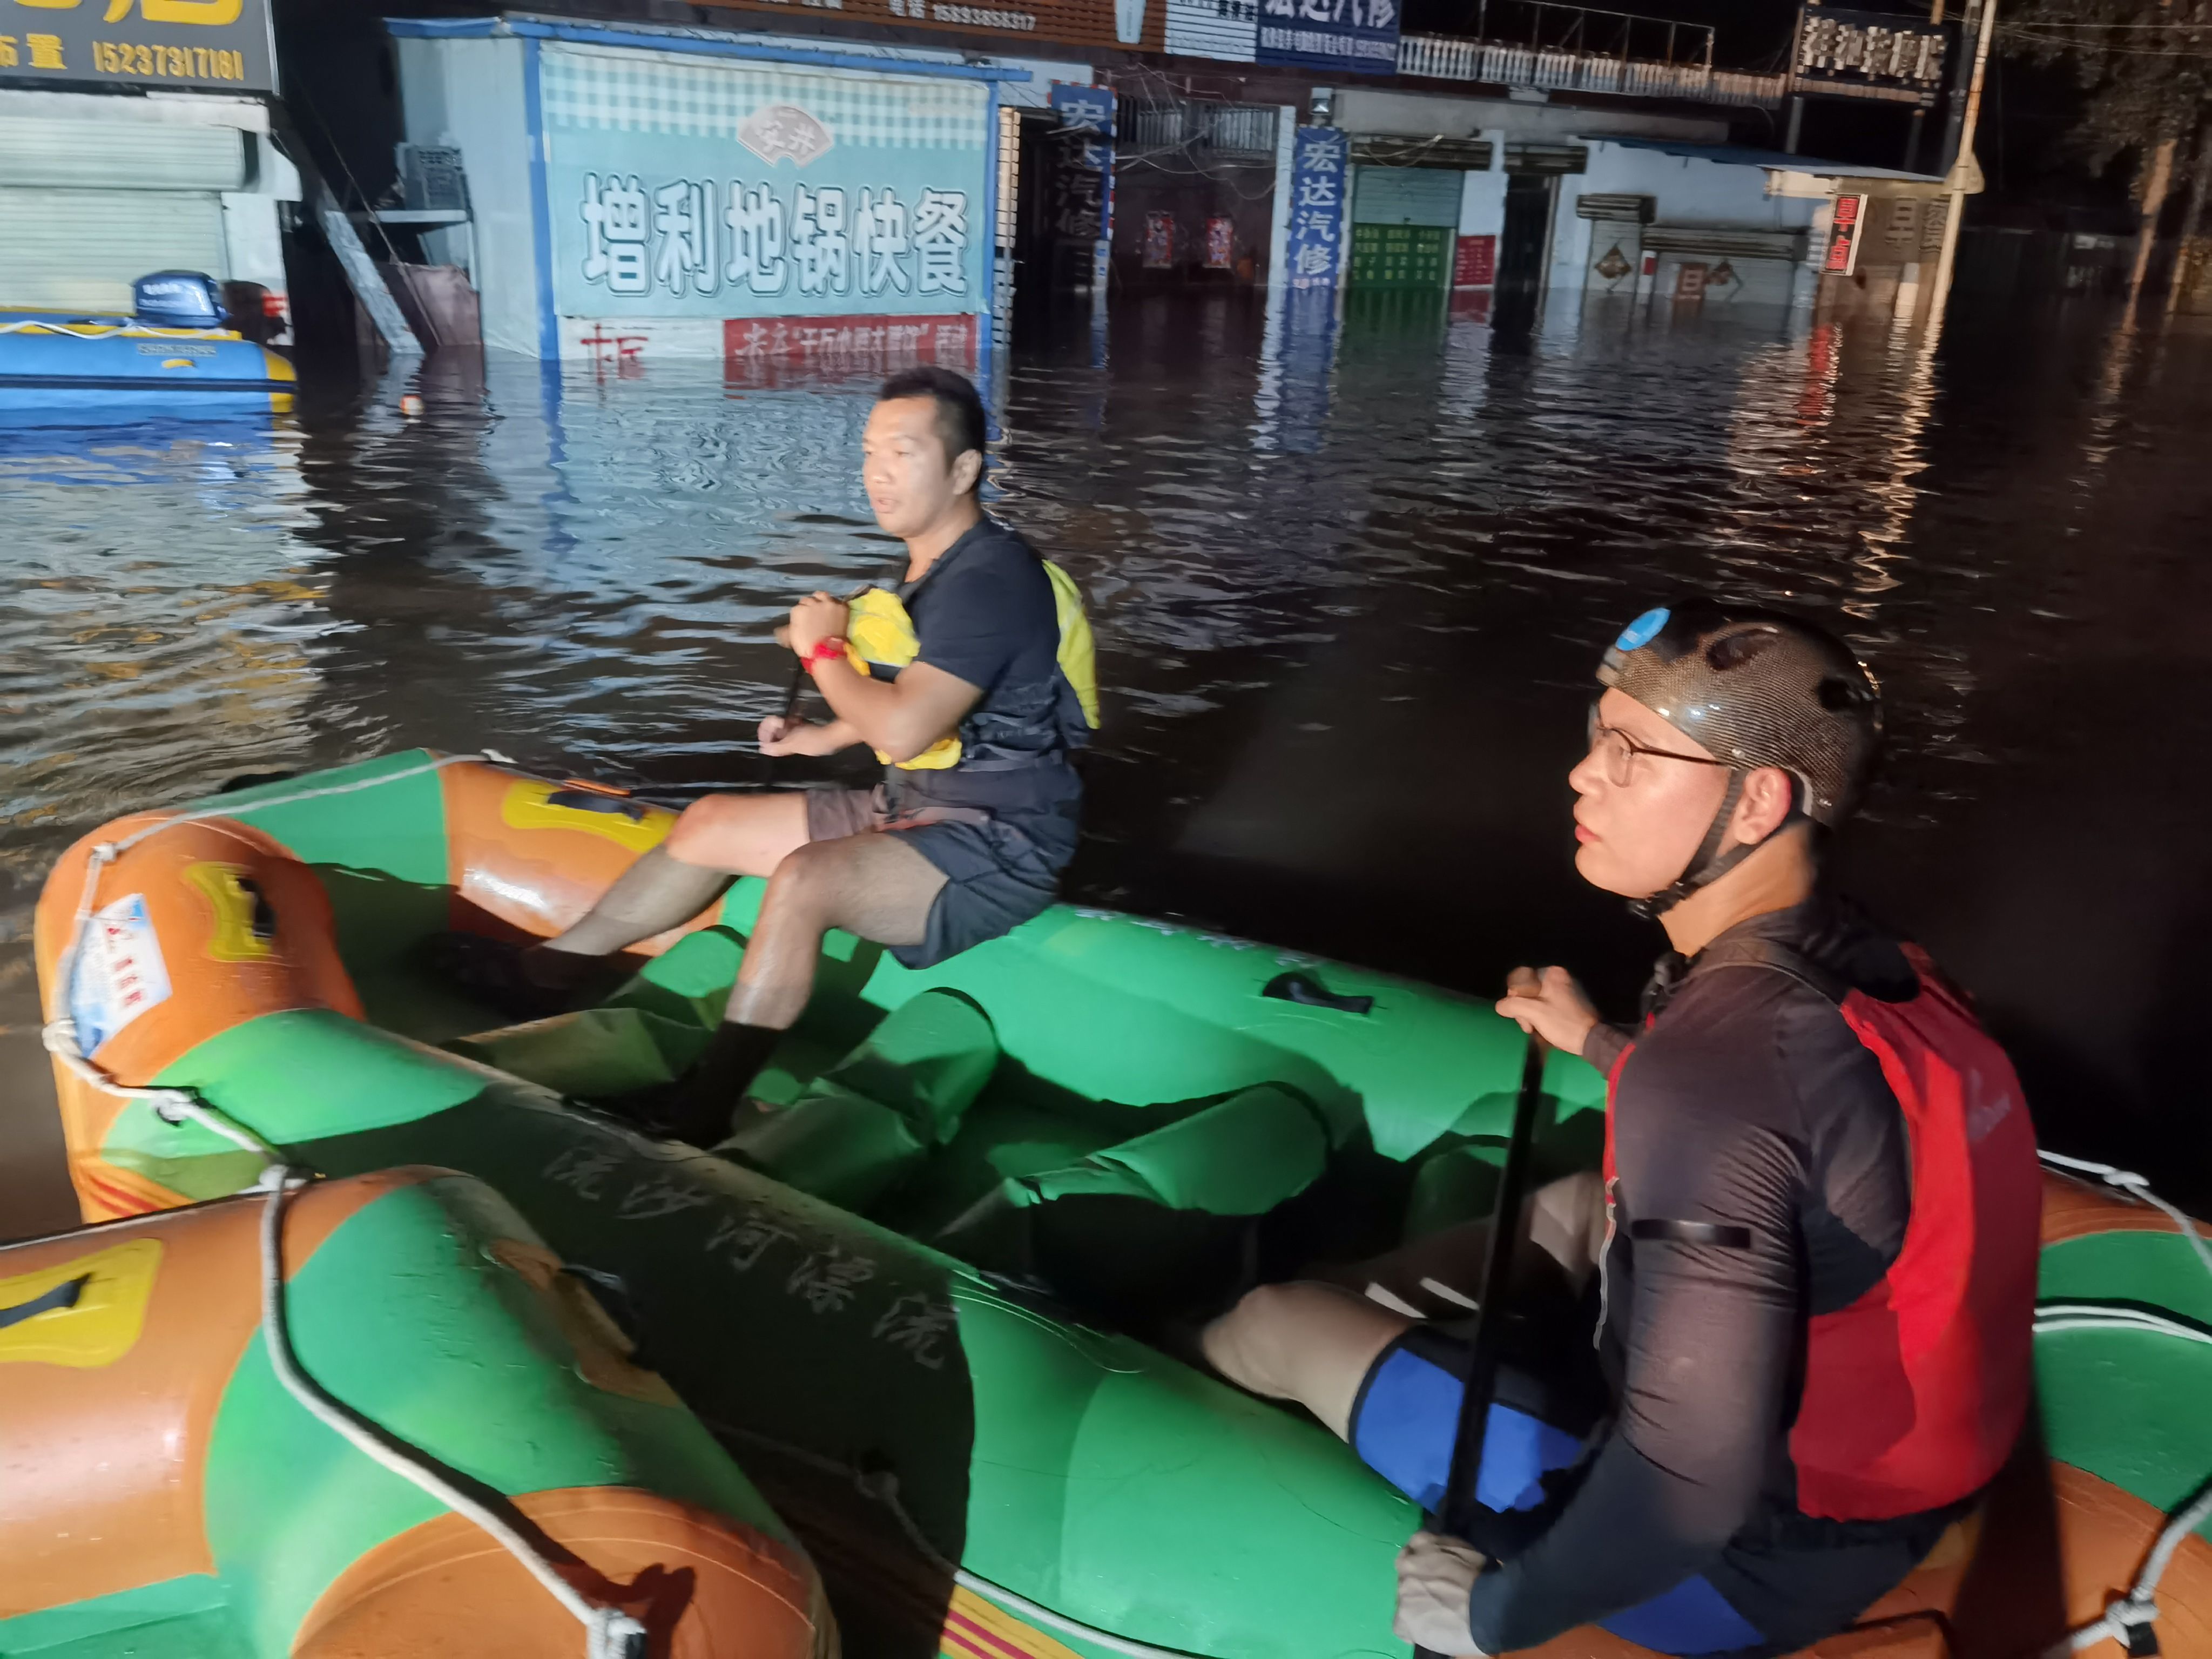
x: 1230, y: 131
x: 1564, y: 48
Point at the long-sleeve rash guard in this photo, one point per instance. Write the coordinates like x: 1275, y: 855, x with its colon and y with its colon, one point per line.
x: 1746, y: 1104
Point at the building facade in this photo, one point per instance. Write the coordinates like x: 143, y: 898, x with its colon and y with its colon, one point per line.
x: 842, y: 190
x: 130, y: 146
x: 763, y: 201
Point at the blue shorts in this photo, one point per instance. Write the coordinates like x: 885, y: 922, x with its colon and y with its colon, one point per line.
x: 1403, y: 1424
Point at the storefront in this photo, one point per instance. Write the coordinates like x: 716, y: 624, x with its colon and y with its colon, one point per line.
x: 638, y: 194
x: 1687, y: 224
x: 1711, y: 225
x: 1195, y: 193
x: 177, y: 172
x: 1404, y: 222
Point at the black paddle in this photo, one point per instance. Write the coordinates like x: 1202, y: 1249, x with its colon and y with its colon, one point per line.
x: 1456, y: 1515
x: 798, y: 688
x: 791, y: 698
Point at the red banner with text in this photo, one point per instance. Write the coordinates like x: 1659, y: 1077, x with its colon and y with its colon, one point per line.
x: 1474, y: 261
x: 762, y: 350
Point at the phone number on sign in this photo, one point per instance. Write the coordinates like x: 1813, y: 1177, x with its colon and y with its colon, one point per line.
x: 184, y: 63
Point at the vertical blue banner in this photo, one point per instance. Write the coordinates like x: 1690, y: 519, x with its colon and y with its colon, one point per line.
x: 1321, y: 206
x: 1083, y: 179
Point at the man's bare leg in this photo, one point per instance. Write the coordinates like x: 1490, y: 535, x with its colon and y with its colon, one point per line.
x: 1303, y: 1341
x: 1439, y: 1277
x: 873, y: 885
x: 1315, y: 1341
x: 714, y: 840
x: 740, y: 834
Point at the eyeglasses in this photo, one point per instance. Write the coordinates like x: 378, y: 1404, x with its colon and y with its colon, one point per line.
x: 1618, y: 751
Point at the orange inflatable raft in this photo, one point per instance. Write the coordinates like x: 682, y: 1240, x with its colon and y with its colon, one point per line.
x: 163, y: 1491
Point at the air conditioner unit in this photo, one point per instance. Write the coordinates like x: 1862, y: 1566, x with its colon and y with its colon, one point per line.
x: 431, y: 178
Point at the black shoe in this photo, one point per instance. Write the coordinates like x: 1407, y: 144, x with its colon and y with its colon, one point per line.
x: 680, y: 1111
x: 703, y: 1116
x: 492, y: 971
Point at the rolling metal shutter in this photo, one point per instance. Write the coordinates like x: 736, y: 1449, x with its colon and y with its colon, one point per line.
x: 1719, y: 242
x: 80, y: 249
x: 1406, y: 196
x: 70, y: 239
x: 139, y: 155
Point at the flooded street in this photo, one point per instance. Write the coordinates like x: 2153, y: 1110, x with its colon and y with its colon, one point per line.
x: 1348, y: 613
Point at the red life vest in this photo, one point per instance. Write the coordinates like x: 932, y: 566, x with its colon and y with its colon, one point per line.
x: 1914, y: 1394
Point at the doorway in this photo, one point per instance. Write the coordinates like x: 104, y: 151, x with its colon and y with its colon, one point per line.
x: 1523, y: 244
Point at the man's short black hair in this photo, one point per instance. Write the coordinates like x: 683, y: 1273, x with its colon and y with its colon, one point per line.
x: 960, y: 419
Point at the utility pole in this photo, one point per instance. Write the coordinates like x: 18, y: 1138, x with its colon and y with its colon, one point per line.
x: 1981, y: 24
x: 1972, y: 34
x: 2155, y: 185
x: 2192, y: 224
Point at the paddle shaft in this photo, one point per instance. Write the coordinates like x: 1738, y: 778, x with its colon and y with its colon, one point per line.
x: 792, y: 694
x: 797, y: 690
x: 1456, y: 1515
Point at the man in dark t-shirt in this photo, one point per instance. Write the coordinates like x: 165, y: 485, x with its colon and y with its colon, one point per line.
x: 973, y: 684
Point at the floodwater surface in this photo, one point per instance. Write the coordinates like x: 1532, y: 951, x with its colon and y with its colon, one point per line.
x: 1350, y: 589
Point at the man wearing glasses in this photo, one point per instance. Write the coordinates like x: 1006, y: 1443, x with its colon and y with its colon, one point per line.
x: 1811, y: 1249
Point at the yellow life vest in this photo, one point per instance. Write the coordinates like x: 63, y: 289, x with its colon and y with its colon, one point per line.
x: 879, y: 633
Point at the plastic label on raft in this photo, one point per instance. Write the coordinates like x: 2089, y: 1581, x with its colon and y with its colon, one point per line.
x: 120, y: 972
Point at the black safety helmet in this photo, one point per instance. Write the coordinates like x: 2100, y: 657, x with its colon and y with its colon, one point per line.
x: 1756, y: 688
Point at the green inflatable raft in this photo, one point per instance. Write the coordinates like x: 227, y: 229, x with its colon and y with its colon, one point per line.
x: 909, y: 1297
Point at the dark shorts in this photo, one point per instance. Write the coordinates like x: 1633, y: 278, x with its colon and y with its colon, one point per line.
x: 999, y: 868
x: 1404, y: 1422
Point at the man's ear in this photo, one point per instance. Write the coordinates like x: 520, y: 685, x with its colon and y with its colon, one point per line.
x: 967, y: 469
x: 1768, y: 792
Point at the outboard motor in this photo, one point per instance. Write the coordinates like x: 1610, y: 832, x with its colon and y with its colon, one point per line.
x: 178, y: 298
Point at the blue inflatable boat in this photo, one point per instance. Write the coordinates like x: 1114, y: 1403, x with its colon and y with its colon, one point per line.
x: 175, y: 351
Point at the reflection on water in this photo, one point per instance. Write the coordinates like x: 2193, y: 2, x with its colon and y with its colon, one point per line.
x: 1350, y: 580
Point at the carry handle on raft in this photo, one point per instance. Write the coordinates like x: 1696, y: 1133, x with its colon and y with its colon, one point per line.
x: 1456, y: 1515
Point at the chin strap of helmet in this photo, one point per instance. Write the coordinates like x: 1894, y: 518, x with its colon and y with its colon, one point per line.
x: 1709, y: 863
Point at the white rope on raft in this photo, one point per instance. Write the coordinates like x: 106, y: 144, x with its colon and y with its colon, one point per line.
x: 2138, y: 1608
x: 59, y: 1034
x: 609, y: 1634
x: 2105, y: 1316
x: 2137, y: 1186
x: 121, y: 329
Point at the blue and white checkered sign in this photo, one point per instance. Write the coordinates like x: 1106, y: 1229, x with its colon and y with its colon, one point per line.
x: 619, y: 91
